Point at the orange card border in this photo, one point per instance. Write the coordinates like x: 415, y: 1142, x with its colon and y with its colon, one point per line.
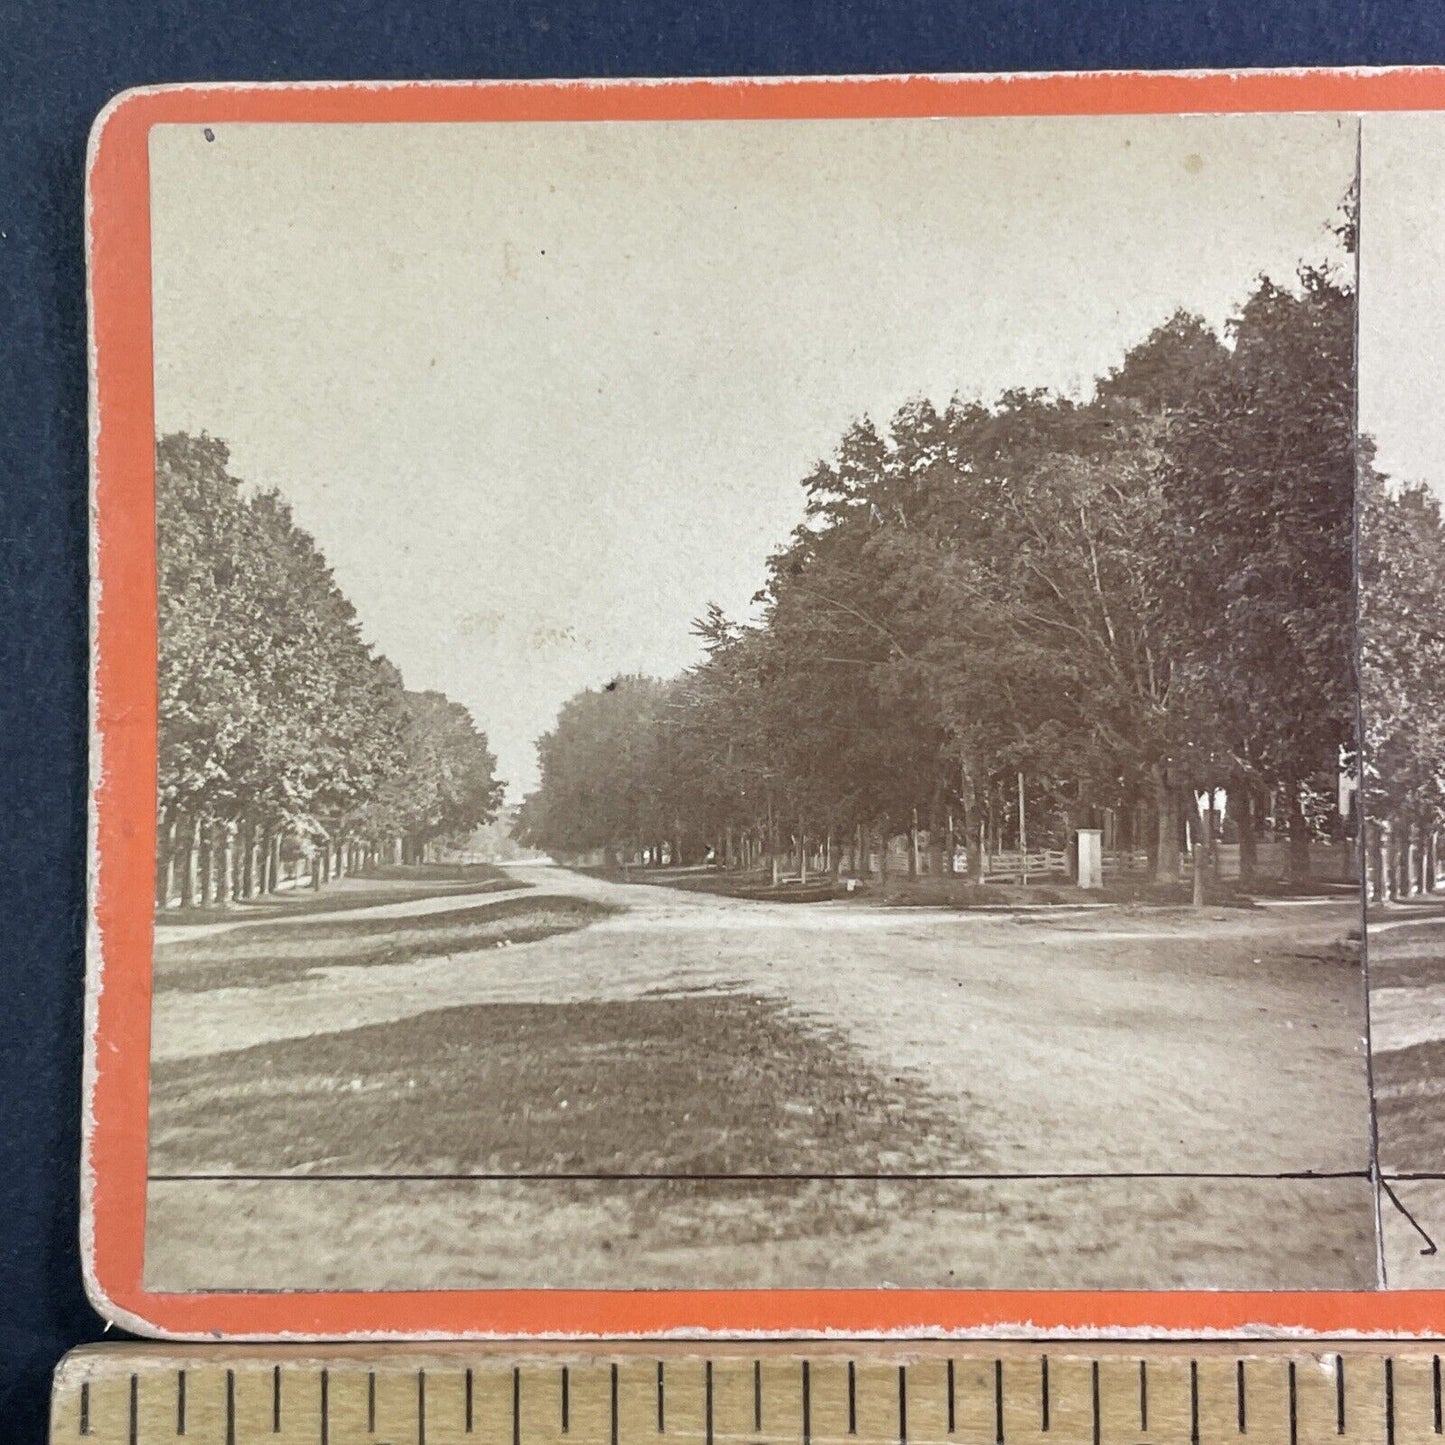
x: 123, y: 716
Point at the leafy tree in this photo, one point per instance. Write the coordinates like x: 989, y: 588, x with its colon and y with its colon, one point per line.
x: 1402, y: 680
x: 1124, y: 599
x: 279, y: 729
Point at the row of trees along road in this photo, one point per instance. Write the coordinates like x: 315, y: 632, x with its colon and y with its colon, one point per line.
x: 285, y: 742
x: 1402, y: 681
x: 1128, y: 600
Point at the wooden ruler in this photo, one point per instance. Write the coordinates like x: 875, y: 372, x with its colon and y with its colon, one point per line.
x: 741, y: 1394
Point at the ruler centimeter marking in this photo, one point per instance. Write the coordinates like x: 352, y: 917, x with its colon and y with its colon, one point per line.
x: 695, y: 1394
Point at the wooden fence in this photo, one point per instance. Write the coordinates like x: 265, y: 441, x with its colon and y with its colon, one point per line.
x: 1016, y: 865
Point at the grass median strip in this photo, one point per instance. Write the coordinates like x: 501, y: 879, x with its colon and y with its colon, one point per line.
x: 702, y: 1083
x: 279, y: 953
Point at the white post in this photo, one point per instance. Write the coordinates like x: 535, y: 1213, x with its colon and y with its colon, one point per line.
x: 1091, y: 858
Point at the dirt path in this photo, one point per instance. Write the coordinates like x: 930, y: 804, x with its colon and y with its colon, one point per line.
x: 1070, y: 1045
x: 1407, y: 1033
x: 1095, y: 1043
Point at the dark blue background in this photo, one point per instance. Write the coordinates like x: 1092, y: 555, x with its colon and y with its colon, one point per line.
x: 59, y: 63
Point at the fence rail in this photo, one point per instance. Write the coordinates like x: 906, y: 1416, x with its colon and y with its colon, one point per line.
x: 1032, y: 864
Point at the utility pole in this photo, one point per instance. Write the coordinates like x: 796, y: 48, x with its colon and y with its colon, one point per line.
x: 1023, y: 835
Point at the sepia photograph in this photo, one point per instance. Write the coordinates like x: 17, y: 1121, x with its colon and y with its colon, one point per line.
x: 774, y: 704
x: 1402, y: 675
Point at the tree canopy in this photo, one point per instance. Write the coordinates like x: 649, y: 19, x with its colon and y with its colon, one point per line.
x: 1124, y: 597
x: 277, y: 723
x: 1402, y: 678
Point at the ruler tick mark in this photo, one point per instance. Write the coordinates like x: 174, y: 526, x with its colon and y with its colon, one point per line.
x: 807, y: 1405
x: 195, y: 1415
x: 1389, y: 1401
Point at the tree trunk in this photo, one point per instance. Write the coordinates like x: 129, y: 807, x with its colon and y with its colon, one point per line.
x: 203, y: 864
x: 245, y: 841
x: 165, y: 858
x: 1299, y: 838
x: 973, y: 834
x: 1241, y: 800
x: 221, y: 856
x: 186, y: 860
x: 1211, y: 834
x: 1166, y: 843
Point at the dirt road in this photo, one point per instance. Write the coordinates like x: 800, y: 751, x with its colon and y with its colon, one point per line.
x: 968, y: 1058
x: 1407, y: 1033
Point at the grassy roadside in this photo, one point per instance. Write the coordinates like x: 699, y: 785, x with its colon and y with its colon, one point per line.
x: 956, y: 892
x: 400, y: 883
x: 696, y: 1083
x: 277, y: 953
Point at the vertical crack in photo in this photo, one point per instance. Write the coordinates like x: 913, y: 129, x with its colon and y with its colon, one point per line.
x: 774, y: 704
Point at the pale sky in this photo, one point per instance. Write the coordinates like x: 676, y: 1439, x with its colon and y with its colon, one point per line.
x: 543, y: 391
x: 1402, y: 294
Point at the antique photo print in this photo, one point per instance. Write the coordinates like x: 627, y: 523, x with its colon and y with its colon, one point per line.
x: 1402, y: 674
x: 774, y: 704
